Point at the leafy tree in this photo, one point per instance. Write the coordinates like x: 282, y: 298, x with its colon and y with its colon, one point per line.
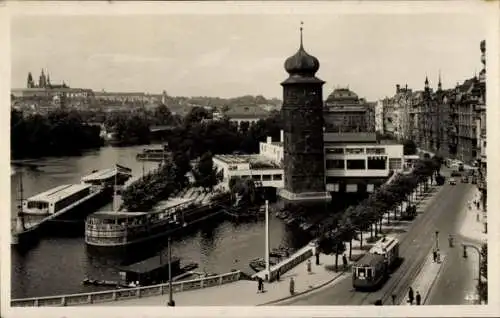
x: 244, y: 126
x: 58, y: 133
x: 163, y: 115
x: 206, y: 174
x: 331, y: 243
x: 183, y: 166
x: 244, y: 189
x: 409, y: 147
x: 196, y: 115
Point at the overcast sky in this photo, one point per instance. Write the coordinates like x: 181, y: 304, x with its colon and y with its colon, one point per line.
x: 230, y: 55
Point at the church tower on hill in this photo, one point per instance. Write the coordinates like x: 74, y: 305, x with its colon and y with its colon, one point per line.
x: 302, y: 113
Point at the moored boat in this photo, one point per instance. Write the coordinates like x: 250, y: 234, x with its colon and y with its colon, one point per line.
x: 154, y: 154
x: 259, y: 264
x: 121, y: 228
x: 65, y: 203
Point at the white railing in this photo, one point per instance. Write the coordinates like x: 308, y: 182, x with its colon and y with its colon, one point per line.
x: 287, y: 264
x: 127, y: 293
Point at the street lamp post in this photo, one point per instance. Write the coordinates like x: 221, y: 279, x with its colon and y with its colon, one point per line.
x: 437, y: 240
x: 479, y: 263
x: 268, y: 267
x: 171, y: 302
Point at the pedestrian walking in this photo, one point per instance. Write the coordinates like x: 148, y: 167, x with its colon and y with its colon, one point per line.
x: 418, y: 298
x: 309, y: 266
x: 410, y: 296
x: 278, y: 274
x: 292, y: 286
x: 260, y: 285
x: 393, y: 296
x: 434, y: 256
x: 317, y: 257
x: 450, y: 240
x: 344, y: 261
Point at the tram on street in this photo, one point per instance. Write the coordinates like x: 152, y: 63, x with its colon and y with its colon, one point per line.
x: 373, y: 269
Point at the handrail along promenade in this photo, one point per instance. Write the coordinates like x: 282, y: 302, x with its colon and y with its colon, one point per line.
x: 287, y: 264
x: 127, y: 293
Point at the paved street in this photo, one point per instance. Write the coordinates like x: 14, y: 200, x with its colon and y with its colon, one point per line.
x: 459, y: 276
x: 441, y: 214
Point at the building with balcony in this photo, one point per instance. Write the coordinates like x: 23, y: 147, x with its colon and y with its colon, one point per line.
x: 359, y: 163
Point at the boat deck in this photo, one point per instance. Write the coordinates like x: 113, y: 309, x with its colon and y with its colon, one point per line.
x: 104, y: 174
x: 58, y: 193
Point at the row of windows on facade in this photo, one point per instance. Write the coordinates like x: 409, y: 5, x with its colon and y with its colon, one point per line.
x: 263, y: 177
x: 362, y: 164
x: 355, y: 151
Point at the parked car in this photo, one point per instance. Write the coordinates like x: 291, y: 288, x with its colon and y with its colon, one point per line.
x: 452, y: 181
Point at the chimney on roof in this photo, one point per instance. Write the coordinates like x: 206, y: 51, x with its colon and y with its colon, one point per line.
x: 282, y: 136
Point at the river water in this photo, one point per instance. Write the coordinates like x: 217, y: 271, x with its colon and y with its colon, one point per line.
x: 58, y: 265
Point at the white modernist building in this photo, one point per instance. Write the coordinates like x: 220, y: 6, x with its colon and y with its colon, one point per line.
x: 352, y: 163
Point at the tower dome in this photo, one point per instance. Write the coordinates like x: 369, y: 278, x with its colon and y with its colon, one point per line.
x: 302, y: 63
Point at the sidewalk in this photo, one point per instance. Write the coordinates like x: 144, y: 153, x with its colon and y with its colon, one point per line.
x: 425, y: 280
x: 471, y: 227
x: 244, y: 292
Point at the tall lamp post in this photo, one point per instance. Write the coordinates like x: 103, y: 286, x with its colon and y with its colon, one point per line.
x: 437, y: 240
x: 171, y: 302
x: 479, y: 263
x: 268, y: 267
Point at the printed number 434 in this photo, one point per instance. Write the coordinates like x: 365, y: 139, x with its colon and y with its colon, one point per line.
x: 471, y: 297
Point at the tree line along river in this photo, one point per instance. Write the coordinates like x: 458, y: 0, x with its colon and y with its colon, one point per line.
x: 41, y: 270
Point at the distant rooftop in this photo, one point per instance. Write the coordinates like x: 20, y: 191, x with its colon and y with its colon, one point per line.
x: 239, y: 112
x: 350, y: 137
x: 255, y: 161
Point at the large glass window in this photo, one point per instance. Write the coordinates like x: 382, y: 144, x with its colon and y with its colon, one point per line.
x: 336, y: 151
x: 355, y: 151
x: 357, y: 164
x: 376, y: 164
x: 266, y: 177
x: 377, y: 151
x: 395, y: 164
x: 335, y: 164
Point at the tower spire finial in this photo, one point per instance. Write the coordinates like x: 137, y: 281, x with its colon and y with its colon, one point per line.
x: 301, y: 36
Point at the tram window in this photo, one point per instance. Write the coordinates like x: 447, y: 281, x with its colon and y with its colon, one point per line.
x: 369, y: 273
x: 361, y: 272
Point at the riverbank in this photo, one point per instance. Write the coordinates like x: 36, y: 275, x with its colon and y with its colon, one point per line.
x: 218, y: 248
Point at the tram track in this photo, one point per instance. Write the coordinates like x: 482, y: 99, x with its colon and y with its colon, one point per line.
x: 412, y: 265
x: 408, y: 268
